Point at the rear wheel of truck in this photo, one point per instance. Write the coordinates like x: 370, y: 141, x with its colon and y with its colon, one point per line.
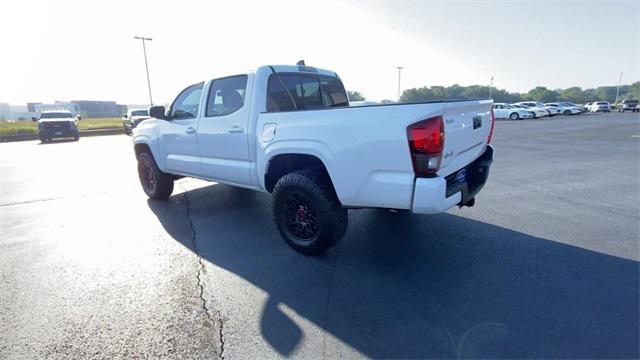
x: 156, y: 184
x: 307, y: 212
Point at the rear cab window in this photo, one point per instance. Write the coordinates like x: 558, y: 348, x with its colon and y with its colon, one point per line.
x: 288, y: 92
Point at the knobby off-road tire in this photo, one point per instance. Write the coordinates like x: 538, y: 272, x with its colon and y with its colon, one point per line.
x: 307, y: 212
x: 156, y: 184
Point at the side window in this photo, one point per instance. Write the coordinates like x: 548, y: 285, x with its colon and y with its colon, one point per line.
x: 186, y: 105
x: 226, y: 95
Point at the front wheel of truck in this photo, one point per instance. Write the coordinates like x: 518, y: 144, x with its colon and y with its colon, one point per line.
x: 156, y: 184
x: 307, y: 213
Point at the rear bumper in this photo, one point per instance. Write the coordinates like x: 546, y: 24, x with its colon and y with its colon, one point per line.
x: 436, y: 195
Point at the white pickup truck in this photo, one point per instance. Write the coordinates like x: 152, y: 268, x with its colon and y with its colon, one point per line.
x: 289, y: 131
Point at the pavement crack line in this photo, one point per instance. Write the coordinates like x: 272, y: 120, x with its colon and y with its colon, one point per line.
x: 217, y: 319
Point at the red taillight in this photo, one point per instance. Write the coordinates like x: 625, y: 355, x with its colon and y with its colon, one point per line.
x: 426, y: 141
x: 493, y: 122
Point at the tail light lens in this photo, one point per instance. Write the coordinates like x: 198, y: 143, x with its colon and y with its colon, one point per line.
x: 426, y: 141
x: 493, y: 122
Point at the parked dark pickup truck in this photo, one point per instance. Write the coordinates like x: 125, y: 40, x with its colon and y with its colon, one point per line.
x: 629, y: 105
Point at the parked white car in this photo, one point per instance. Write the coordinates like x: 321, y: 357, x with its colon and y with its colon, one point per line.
x: 587, y: 106
x: 539, y: 105
x: 564, y: 109
x: 570, y: 104
x: 537, y: 112
x: 600, y: 106
x: 506, y: 111
x: 289, y: 131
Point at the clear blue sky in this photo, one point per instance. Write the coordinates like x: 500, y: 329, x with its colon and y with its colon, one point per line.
x: 77, y: 49
x: 527, y: 43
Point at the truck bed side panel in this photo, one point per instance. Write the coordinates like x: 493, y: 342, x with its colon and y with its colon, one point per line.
x: 365, y: 149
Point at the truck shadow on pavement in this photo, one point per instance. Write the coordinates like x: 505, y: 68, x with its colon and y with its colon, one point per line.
x: 407, y: 286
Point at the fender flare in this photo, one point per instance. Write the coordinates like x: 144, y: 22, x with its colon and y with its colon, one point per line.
x: 314, y: 148
x: 146, y: 140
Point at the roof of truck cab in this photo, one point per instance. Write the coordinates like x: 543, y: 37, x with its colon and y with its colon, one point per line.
x: 55, y: 111
x: 301, y: 69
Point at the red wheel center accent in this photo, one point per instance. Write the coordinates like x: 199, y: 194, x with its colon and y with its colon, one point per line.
x: 301, y: 214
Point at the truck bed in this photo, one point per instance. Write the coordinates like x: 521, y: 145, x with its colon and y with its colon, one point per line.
x: 365, y: 149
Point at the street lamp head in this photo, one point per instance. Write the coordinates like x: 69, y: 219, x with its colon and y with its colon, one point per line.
x: 142, y: 38
x: 399, y: 67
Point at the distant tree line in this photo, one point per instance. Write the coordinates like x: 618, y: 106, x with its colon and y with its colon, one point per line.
x: 573, y: 94
x: 355, y: 96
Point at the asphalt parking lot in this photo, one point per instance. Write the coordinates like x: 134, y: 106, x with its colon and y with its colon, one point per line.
x: 546, y: 264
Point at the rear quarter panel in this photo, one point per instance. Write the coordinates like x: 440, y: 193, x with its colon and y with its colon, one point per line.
x: 364, y: 149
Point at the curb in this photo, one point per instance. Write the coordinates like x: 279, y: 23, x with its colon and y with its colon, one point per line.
x: 27, y: 137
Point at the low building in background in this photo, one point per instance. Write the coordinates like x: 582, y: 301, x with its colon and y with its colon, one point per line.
x: 58, y: 105
x: 86, y: 108
x: 31, y: 106
x: 99, y: 109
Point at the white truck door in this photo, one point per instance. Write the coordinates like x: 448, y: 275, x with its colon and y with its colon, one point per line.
x: 223, y: 139
x: 178, y: 133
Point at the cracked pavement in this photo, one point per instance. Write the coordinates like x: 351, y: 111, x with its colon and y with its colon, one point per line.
x: 87, y: 269
x: 545, y: 265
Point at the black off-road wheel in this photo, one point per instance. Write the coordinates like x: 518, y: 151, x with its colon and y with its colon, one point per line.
x: 156, y: 184
x: 307, y: 212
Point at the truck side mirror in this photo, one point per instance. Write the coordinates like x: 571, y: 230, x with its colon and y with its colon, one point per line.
x: 157, y: 112
x: 35, y: 119
x: 125, y: 116
x: 78, y: 117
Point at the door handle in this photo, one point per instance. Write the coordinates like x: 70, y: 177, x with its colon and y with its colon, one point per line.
x: 235, y: 129
x: 190, y: 130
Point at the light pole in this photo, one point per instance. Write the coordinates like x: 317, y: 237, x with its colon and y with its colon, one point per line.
x: 146, y: 65
x: 490, y: 87
x: 399, y: 71
x: 618, y: 90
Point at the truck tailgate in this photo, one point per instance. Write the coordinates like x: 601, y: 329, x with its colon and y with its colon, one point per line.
x: 467, y: 128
